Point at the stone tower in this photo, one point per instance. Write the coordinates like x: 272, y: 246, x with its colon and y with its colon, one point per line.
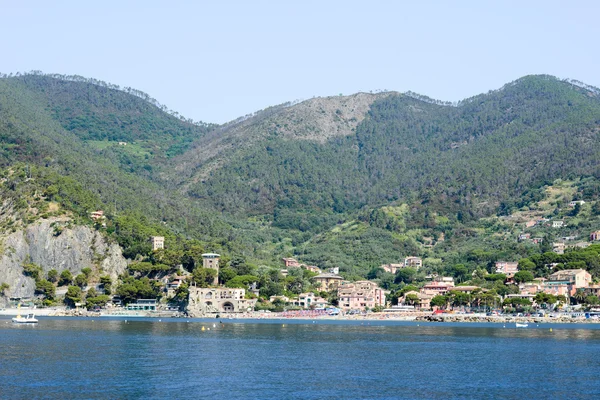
x: 211, y: 260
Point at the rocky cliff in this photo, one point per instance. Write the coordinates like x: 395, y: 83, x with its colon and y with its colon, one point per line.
x: 55, y: 244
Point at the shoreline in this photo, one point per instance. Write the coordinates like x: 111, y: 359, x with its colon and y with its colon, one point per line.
x: 255, y: 315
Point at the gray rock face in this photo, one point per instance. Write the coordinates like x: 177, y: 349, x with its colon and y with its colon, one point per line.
x: 54, y: 244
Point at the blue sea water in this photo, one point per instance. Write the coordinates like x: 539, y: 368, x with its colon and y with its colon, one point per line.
x: 151, y: 359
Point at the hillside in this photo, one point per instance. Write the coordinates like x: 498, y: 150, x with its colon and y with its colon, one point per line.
x: 468, y: 160
x: 350, y: 181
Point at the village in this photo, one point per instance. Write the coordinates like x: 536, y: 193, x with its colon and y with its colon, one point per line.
x: 439, y: 294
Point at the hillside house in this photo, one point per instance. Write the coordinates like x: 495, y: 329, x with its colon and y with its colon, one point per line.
x: 291, y: 262
x: 312, y: 268
x: 158, y: 242
x: 310, y: 300
x: 437, y: 287
x: 558, y: 224
x: 595, y: 236
x: 327, y: 281
x: 424, y: 299
x: 508, y: 268
x: 524, y: 236
x: 392, y: 268
x: 578, y: 278
x: 414, y: 262
x: 575, y: 202
x: 559, y: 247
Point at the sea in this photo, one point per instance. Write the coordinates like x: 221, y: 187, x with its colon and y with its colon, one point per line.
x: 119, y: 358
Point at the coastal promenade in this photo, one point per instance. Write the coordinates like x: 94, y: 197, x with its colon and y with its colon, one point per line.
x: 418, y: 316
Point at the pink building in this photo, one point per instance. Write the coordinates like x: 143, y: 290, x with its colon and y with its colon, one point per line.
x: 290, y: 262
x: 508, y: 268
x: 594, y: 236
x: 392, y: 268
x: 359, y: 295
x: 437, y: 288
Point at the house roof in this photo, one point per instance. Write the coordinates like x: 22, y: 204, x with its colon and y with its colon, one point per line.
x: 328, y: 275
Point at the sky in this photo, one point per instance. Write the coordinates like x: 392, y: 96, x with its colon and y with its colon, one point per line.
x: 214, y: 61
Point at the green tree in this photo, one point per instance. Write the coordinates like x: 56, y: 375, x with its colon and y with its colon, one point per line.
x: 183, y: 292
x: 460, y: 272
x: 405, y: 275
x: 579, y: 296
x: 132, y: 289
x: 4, y: 287
x: 81, y: 280
x: 53, y: 275
x: 226, y: 274
x: 73, y: 296
x: 106, y: 283
x: 46, y: 288
x: 412, y: 299
x: 526, y: 264
x: 97, y: 300
x: 87, y: 271
x: 523, y: 276
x: 592, y: 300
x: 439, y: 301
x: 66, y: 278
x: 33, y: 270
x: 204, y: 277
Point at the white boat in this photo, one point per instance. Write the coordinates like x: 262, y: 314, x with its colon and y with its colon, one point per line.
x: 521, y: 325
x: 29, y: 319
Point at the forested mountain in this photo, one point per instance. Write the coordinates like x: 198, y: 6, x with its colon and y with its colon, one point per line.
x: 64, y: 131
x: 349, y: 181
x: 468, y: 159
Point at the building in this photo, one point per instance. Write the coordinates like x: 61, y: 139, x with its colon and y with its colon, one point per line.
x: 142, y: 305
x: 559, y: 247
x: 204, y: 301
x: 578, y: 278
x: 558, y: 288
x: 524, y: 236
x: 310, y: 300
x: 291, y: 263
x: 558, y: 224
x: 575, y: 202
x: 424, y: 299
x: 328, y: 281
x: 508, y: 268
x: 437, y: 287
x: 415, y: 262
x: 392, y: 268
x: 158, y: 242
x: 466, y: 289
x: 211, y: 260
x: 594, y: 236
x: 97, y: 215
x: 285, y: 299
x: 312, y: 268
x: 360, y: 295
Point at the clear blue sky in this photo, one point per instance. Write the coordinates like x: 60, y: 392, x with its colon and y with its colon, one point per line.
x: 217, y: 60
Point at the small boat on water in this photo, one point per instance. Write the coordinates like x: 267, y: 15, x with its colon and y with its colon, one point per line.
x: 521, y: 325
x: 29, y: 319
